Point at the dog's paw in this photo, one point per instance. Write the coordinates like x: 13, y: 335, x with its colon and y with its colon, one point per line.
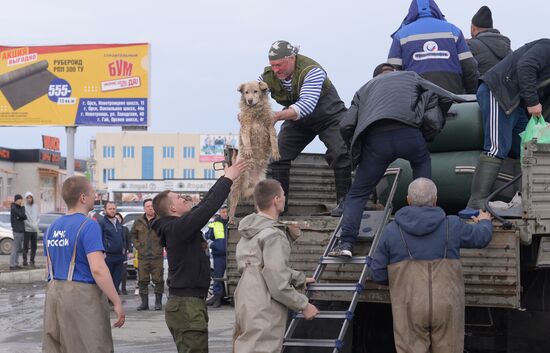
x: 275, y: 155
x: 246, y: 152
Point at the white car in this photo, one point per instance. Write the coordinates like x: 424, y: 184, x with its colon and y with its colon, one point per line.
x: 6, y: 240
x: 5, y: 219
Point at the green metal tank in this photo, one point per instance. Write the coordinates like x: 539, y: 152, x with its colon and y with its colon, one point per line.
x: 463, y: 130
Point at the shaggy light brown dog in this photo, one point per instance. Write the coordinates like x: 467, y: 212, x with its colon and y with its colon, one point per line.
x: 257, y: 140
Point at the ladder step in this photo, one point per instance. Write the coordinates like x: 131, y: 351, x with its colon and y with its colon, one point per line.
x: 352, y: 287
x: 325, y: 260
x: 304, y: 342
x: 348, y: 315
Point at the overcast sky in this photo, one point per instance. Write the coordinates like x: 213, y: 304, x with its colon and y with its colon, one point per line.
x: 202, y: 50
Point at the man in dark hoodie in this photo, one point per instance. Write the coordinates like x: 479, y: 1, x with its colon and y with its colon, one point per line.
x: 179, y: 228
x: 434, y: 48
x: 419, y: 256
x: 17, y: 217
x: 488, y: 46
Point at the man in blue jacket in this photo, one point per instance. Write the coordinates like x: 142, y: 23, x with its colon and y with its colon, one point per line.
x: 434, y: 48
x: 511, y: 91
x: 419, y: 256
x: 217, y: 232
x: 113, y: 241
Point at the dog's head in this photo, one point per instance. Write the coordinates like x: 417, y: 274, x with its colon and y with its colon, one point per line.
x: 253, y: 92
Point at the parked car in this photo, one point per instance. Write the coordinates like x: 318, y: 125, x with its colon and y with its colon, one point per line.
x: 5, y: 219
x: 6, y: 240
x: 129, y: 213
x: 46, y: 219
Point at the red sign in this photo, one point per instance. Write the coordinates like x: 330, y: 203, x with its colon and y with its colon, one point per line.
x: 120, y: 68
x: 50, y: 143
x: 4, y: 154
x: 52, y: 157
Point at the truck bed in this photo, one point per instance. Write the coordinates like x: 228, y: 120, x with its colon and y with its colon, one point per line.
x: 491, y: 275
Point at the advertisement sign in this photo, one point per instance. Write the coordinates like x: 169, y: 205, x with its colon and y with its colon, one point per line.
x: 212, y: 146
x: 51, y: 143
x: 67, y: 85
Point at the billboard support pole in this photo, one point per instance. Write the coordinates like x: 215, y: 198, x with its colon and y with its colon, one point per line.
x: 71, y: 132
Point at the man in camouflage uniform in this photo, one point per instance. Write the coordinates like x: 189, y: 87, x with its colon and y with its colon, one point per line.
x: 147, y: 243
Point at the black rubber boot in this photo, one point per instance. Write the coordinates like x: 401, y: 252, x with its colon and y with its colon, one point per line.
x: 215, y: 301
x: 483, y: 181
x: 158, y: 301
x: 342, y: 182
x: 144, y: 302
x: 280, y: 171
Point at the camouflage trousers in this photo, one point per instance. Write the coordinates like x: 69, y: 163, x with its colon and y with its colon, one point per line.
x: 187, y: 320
x: 150, y: 270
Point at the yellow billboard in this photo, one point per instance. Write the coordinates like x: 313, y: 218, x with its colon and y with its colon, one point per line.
x: 68, y: 85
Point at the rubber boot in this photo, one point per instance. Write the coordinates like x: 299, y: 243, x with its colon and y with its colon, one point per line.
x: 215, y: 301
x: 144, y: 302
x: 342, y: 181
x: 158, y: 301
x: 280, y: 171
x: 483, y: 181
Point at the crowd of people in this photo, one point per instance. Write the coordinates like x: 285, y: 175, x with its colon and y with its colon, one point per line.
x: 429, y: 63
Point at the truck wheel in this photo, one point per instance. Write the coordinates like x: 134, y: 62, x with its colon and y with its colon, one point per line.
x: 6, y: 245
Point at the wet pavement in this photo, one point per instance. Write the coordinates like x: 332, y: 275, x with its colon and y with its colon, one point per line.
x: 21, y: 315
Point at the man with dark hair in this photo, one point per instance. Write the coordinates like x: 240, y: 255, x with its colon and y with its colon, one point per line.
x: 488, y: 46
x: 419, y: 257
x: 434, y: 48
x: 76, y: 313
x: 511, y: 91
x: 267, y: 287
x: 17, y: 218
x: 217, y: 233
x: 150, y: 256
x: 113, y: 241
x: 179, y: 228
x: 312, y: 107
x: 382, y: 126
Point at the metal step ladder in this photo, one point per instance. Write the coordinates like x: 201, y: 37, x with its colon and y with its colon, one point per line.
x: 372, y: 225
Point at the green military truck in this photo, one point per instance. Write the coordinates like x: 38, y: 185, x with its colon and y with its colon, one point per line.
x: 507, y: 284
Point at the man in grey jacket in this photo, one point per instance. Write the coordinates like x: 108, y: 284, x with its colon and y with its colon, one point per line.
x: 383, y: 126
x: 31, y: 228
x: 487, y: 45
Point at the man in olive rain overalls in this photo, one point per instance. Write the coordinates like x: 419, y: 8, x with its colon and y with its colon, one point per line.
x: 76, y: 313
x: 419, y: 256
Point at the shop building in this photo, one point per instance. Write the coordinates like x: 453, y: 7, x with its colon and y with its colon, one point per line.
x: 39, y: 171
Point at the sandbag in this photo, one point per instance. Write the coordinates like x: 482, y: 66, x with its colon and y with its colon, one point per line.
x: 463, y: 130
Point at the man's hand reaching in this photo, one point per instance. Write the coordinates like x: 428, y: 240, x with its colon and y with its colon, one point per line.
x: 236, y: 169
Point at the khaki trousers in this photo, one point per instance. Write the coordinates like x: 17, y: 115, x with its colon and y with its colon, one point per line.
x: 151, y: 270
x: 76, y: 319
